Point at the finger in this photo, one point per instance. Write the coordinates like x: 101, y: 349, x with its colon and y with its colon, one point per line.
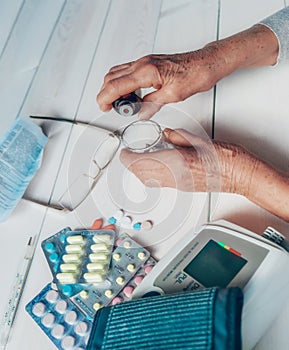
x: 148, y: 110
x: 183, y: 138
x: 120, y: 67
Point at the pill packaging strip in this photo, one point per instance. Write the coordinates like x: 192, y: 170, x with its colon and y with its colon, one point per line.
x: 79, y: 256
x: 65, y: 325
x: 130, y: 263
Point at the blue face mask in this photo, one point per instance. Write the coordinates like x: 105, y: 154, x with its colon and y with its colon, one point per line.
x: 21, y: 150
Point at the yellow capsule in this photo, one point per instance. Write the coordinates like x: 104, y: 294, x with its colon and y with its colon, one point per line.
x: 96, y: 257
x: 100, y: 247
x: 95, y: 267
x: 75, y: 239
x: 93, y: 277
x: 73, y: 248
x: 68, y: 268
x: 66, y: 277
x: 70, y: 258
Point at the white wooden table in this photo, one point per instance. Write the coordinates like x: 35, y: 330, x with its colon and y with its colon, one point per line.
x: 53, y: 57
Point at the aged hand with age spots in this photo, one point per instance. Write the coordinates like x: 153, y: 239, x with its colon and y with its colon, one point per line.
x: 175, y: 77
x: 197, y: 165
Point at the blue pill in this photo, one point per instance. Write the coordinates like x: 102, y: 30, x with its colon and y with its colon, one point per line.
x: 67, y: 290
x: 112, y: 220
x: 137, y: 226
x: 50, y: 247
x: 54, y: 257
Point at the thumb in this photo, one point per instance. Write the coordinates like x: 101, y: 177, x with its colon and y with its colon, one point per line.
x: 183, y: 138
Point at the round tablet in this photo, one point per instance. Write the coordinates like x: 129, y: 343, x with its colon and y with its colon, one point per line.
x: 84, y: 294
x: 38, y: 309
x: 97, y: 306
x: 58, y: 331
x: 67, y: 290
x: 128, y: 290
x: 148, y: 268
x: 61, y: 306
x: 48, y: 320
x: 54, y: 258
x: 68, y: 342
x: 147, y: 225
x: 138, y: 279
x: 52, y: 296
x: 81, y: 328
x: 71, y: 317
x: 116, y: 300
x: 50, y: 247
x: 127, y: 244
x: 131, y: 267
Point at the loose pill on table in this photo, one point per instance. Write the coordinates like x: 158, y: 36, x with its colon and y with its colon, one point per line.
x: 81, y: 328
x: 69, y: 258
x: 76, y: 239
x: 93, y: 277
x: 147, y: 225
x: 68, y: 342
x: 70, y: 317
x: 38, y: 309
x: 61, y: 306
x: 52, y: 296
x: 74, y: 248
x: 66, y: 277
x: 58, y: 331
x: 48, y: 320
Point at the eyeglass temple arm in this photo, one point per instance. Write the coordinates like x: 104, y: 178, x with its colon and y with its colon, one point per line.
x: 75, y: 122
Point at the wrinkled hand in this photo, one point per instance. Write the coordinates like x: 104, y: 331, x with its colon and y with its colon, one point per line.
x: 194, y: 165
x: 175, y: 78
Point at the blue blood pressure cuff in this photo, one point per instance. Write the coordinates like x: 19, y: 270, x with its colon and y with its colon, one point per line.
x: 206, y: 319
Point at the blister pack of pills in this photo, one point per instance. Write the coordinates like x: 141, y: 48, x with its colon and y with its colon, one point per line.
x: 129, y: 262
x: 60, y: 319
x: 77, y: 257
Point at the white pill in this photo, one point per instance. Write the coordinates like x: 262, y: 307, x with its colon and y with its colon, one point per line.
x: 74, y: 248
x: 96, y: 306
x: 52, y: 296
x: 61, y: 306
x: 108, y: 293
x: 84, y: 294
x: 68, y: 342
x: 70, y: 317
x: 81, y: 328
x: 116, y: 256
x: 66, y: 277
x: 93, y: 277
x: 38, y: 309
x: 96, y: 267
x: 131, y: 267
x: 127, y: 244
x: 58, y: 331
x: 141, y: 255
x: 100, y: 247
x: 76, y: 239
x: 48, y: 320
x: 120, y: 280
x: 71, y: 258
x: 146, y: 225
x: 105, y: 238
x: 68, y: 267
x: 96, y: 257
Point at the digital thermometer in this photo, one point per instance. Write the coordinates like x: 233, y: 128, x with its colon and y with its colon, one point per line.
x: 226, y: 255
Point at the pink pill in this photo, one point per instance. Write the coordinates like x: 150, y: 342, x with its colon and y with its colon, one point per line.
x: 138, y: 280
x: 148, y: 268
x: 128, y: 290
x: 116, y: 300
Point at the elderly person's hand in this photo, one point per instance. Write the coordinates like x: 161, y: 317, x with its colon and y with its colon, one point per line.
x: 197, y: 165
x: 178, y: 76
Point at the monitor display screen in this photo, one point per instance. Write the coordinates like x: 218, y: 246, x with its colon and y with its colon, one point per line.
x: 215, y: 265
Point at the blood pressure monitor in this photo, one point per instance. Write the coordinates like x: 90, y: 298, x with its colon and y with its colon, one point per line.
x: 225, y: 255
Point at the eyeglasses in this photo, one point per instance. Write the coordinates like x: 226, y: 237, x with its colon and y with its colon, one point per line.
x: 139, y: 136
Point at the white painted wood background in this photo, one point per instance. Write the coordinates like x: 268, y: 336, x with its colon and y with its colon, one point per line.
x: 53, y: 57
